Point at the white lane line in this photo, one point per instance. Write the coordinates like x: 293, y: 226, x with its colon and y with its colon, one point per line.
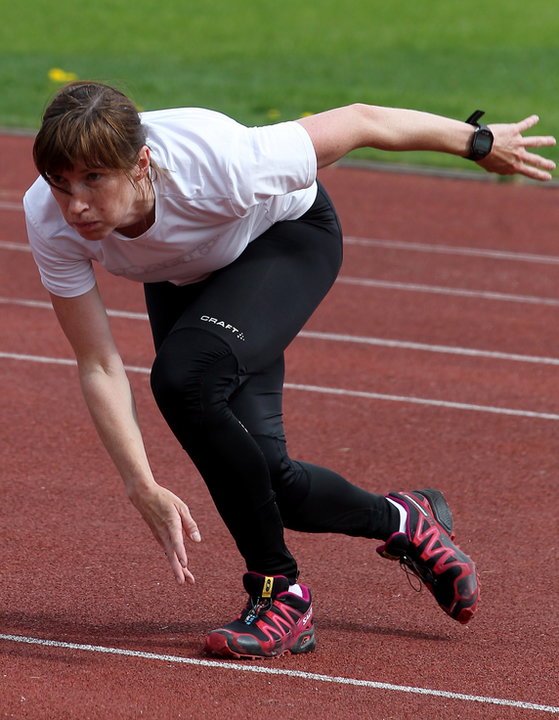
x: 452, y: 250
x: 336, y: 337
x: 6, y: 205
x: 423, y: 401
x: 6, y: 245
x: 46, y: 305
x: 388, y: 244
x: 386, y: 285
x: 439, y: 290
x: 411, y: 287
x: 62, y: 361
x: 267, y: 670
x: 446, y: 349
x: 329, y: 391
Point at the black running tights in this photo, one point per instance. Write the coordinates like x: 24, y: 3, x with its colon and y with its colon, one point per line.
x: 218, y: 379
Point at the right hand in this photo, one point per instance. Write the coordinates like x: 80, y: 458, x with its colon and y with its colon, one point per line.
x: 169, y: 519
x: 510, y: 153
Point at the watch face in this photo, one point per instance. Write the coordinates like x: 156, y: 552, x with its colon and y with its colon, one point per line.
x: 482, y: 142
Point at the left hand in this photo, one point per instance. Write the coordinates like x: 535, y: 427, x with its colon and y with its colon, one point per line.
x: 169, y: 519
x: 510, y: 156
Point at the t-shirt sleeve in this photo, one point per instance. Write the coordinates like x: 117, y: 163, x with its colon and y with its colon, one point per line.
x: 268, y: 161
x: 63, y: 269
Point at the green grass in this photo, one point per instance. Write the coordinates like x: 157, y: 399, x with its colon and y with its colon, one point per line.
x: 265, y: 60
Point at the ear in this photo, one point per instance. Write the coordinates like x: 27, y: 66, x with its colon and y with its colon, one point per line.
x: 143, y: 163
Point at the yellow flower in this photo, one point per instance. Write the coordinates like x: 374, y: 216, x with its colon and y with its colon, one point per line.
x: 273, y: 114
x: 306, y: 114
x: 61, y: 76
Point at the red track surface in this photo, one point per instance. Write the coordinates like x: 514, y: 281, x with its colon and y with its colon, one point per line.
x: 80, y: 568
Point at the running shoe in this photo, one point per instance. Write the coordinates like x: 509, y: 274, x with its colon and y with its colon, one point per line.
x: 274, y: 622
x: 426, y: 548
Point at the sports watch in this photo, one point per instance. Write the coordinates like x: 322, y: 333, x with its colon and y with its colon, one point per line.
x: 482, y: 139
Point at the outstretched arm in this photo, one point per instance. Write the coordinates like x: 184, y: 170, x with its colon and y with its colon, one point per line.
x: 111, y: 404
x: 335, y: 133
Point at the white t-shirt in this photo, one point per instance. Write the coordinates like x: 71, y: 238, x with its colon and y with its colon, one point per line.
x: 222, y: 186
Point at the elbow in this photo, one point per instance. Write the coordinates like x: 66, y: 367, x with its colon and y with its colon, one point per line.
x: 92, y: 370
x: 369, y: 126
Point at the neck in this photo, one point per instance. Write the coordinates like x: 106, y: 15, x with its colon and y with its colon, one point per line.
x: 145, y: 210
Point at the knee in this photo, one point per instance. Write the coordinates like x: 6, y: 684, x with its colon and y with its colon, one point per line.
x: 193, y: 373
x: 290, y: 480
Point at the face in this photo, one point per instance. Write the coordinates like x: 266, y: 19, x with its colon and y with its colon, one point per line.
x: 96, y: 201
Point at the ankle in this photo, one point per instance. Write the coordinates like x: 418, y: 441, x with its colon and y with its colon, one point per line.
x: 402, y: 518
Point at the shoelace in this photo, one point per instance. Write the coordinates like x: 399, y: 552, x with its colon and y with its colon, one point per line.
x: 413, y: 573
x: 255, y: 607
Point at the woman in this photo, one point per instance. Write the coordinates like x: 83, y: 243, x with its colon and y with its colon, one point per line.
x: 236, y: 243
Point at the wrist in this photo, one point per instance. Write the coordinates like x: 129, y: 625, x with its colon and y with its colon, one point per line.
x: 137, y: 487
x: 481, y: 140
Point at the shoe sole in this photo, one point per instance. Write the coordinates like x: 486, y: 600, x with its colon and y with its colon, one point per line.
x: 218, y: 644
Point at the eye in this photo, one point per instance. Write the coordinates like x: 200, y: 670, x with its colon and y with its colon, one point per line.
x: 57, y: 182
x: 93, y: 176
x: 56, y: 179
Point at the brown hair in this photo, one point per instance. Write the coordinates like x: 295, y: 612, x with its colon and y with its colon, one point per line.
x: 91, y: 123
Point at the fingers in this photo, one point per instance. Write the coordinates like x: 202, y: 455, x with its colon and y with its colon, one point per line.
x: 539, y: 141
x: 527, y: 123
x: 189, y: 526
x: 538, y: 161
x: 178, y: 560
x: 532, y: 165
x: 510, y: 154
x: 535, y: 166
x: 174, y: 544
x: 173, y: 547
x: 169, y: 519
x: 539, y: 169
x: 179, y: 566
x: 512, y: 133
x: 533, y: 173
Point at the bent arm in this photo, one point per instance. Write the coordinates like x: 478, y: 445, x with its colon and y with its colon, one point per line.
x: 337, y: 132
x: 110, y: 401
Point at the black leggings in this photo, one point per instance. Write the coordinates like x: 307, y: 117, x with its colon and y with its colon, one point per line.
x: 218, y: 379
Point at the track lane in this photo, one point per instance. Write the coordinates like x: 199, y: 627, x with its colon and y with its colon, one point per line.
x: 353, y: 367
x: 125, y: 578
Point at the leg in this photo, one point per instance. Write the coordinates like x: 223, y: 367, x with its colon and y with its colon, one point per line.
x: 193, y: 378
x: 310, y: 498
x: 213, y: 341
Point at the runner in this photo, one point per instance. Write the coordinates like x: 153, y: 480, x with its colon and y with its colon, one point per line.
x: 236, y: 243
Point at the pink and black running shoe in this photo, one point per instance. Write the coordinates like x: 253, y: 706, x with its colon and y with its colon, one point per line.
x: 426, y: 548
x: 275, y: 622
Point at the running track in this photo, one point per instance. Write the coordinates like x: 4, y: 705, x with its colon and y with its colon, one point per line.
x: 434, y: 361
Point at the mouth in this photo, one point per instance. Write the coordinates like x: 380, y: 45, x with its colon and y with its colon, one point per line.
x: 87, y: 227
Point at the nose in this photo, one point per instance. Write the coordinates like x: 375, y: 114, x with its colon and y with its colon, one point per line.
x: 77, y: 203
x: 77, y: 199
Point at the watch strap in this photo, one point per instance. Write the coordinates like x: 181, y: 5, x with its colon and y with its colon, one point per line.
x: 474, y: 117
